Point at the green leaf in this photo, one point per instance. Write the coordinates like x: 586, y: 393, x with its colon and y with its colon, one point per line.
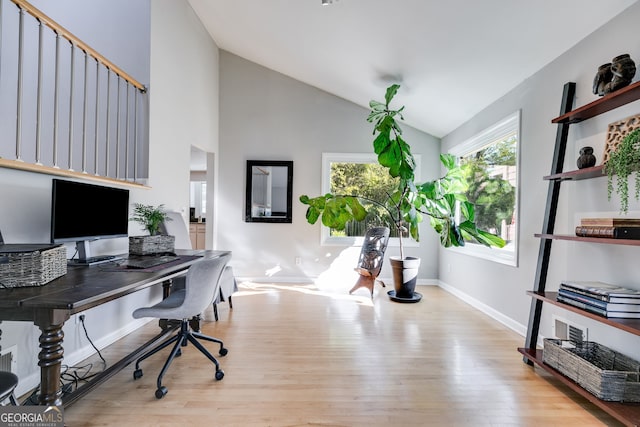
x: 448, y: 160
x: 312, y: 215
x: 391, y: 92
x: 358, y: 211
x: 377, y: 106
x: 381, y: 142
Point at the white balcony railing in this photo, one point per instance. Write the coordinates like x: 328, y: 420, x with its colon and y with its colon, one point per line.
x: 67, y: 109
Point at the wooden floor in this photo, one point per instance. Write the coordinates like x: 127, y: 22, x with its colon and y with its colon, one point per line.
x: 302, y: 356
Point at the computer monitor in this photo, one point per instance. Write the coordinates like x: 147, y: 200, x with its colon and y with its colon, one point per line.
x: 82, y: 212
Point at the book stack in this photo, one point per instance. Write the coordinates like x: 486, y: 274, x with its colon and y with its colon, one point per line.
x: 611, y: 228
x: 601, y: 298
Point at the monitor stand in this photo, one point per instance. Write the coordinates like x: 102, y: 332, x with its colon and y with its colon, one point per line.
x: 85, y: 258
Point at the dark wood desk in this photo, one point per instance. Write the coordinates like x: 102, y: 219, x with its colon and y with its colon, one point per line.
x: 82, y: 288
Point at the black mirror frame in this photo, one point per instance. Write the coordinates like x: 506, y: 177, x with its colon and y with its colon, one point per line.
x: 249, y: 177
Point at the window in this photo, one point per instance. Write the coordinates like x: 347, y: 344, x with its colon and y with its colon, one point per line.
x: 492, y: 160
x: 358, y: 174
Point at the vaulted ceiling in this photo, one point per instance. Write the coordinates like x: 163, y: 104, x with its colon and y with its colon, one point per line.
x: 452, y: 58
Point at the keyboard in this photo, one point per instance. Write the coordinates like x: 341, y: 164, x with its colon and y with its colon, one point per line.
x: 149, y: 261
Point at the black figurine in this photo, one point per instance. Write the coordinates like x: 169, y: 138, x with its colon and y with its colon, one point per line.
x: 586, y: 159
x: 623, y: 69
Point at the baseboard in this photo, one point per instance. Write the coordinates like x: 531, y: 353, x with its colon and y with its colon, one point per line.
x: 32, y: 381
x: 489, y: 311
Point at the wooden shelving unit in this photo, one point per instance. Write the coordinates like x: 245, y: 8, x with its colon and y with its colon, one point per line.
x: 603, y: 240
x: 602, y: 105
x: 577, y: 175
x: 627, y: 413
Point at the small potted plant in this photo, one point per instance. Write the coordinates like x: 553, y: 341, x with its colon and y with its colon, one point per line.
x: 409, y: 201
x: 150, y: 217
x: 622, y: 162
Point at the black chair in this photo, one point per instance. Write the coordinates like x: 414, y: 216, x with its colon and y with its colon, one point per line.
x: 202, y: 285
x: 371, y: 257
x: 8, y: 384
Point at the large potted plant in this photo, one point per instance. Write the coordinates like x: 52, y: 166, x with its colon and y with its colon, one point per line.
x: 407, y: 204
x: 150, y: 217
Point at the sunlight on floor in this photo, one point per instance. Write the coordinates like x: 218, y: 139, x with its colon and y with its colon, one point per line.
x: 253, y: 288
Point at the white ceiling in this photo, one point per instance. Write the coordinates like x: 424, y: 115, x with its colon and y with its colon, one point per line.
x: 452, y: 57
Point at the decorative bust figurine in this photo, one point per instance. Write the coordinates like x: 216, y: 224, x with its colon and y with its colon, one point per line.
x: 623, y: 69
x: 586, y: 159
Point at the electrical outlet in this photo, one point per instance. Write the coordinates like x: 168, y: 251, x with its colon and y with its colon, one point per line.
x: 298, y: 260
x: 80, y: 318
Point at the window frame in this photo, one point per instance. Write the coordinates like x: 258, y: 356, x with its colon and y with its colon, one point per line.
x: 327, y: 158
x: 492, y: 134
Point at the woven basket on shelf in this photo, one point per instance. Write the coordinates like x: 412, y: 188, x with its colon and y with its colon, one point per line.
x: 35, y: 268
x: 603, y: 372
x: 150, y: 245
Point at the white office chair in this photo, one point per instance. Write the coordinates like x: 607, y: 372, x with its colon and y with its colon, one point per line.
x: 176, y: 226
x: 202, y: 285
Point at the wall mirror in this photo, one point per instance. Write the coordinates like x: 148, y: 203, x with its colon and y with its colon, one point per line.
x: 269, y: 191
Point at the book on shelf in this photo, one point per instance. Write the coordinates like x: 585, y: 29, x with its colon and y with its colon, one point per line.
x: 608, y: 306
x: 611, y: 222
x: 610, y: 232
x: 599, y: 311
x: 602, y: 291
x: 583, y: 306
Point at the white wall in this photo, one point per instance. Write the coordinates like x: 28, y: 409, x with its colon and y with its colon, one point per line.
x: 183, y: 111
x: 265, y: 115
x: 502, y: 287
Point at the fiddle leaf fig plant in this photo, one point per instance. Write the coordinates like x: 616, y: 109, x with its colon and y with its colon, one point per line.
x: 622, y: 162
x: 150, y: 217
x: 409, y: 202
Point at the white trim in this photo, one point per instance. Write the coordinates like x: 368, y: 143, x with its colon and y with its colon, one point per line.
x: 489, y: 311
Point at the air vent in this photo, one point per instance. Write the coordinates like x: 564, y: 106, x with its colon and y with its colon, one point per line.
x: 576, y: 334
x: 566, y: 330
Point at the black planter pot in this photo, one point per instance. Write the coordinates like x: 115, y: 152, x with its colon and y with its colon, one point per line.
x: 405, y: 276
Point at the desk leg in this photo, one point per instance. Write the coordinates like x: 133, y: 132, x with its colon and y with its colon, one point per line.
x: 166, y: 291
x: 50, y: 358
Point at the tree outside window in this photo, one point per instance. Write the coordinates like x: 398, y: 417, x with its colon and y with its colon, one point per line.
x: 491, y: 159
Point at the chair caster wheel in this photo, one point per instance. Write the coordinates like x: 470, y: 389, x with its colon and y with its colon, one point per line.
x: 137, y: 374
x: 223, y: 352
x: 161, y: 392
x: 179, y: 353
x: 219, y: 375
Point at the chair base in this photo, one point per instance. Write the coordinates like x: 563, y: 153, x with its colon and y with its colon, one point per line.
x: 366, y: 282
x: 181, y: 339
x: 8, y: 384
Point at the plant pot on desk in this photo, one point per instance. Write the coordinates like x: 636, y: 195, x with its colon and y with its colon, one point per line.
x: 150, y: 245
x: 405, y: 275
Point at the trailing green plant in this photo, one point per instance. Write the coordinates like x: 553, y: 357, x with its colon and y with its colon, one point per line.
x: 409, y: 201
x: 622, y: 162
x: 149, y: 217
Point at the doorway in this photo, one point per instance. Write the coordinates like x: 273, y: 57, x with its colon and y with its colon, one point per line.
x: 199, y: 206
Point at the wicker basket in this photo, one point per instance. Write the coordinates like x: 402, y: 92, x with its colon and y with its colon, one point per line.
x: 150, y: 245
x: 35, y: 268
x: 605, y: 373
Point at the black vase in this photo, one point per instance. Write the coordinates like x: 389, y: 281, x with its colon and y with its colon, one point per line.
x: 586, y: 159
